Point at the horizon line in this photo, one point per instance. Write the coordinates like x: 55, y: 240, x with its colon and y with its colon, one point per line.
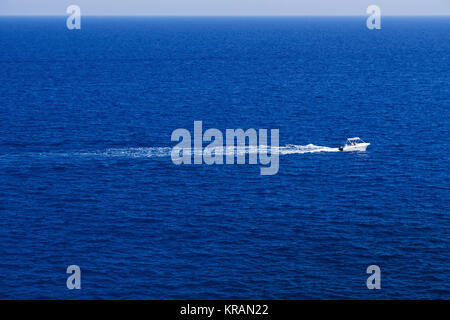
x: 224, y: 16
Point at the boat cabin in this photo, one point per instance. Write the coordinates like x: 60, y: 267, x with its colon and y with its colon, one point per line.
x: 354, y: 141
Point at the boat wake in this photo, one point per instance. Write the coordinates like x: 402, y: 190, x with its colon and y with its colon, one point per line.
x: 153, y: 152
x: 161, y: 152
x: 310, y: 148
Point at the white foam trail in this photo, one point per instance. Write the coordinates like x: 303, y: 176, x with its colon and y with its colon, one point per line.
x: 158, y: 152
x: 310, y: 148
x: 150, y: 152
x: 144, y: 152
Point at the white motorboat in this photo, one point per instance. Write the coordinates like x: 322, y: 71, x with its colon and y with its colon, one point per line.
x: 354, y: 144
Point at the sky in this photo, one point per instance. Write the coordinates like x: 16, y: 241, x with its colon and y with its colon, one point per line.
x: 225, y: 7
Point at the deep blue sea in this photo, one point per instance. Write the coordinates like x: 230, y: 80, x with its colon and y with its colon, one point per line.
x: 86, y: 118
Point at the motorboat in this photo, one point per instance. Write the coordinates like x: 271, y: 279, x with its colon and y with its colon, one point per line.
x: 354, y: 144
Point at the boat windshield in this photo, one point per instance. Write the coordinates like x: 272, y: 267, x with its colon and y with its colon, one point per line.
x: 353, y: 141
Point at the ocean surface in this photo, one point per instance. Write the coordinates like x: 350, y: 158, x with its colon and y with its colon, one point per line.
x: 86, y: 177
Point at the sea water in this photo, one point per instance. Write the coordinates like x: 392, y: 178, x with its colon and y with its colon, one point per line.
x: 86, y: 176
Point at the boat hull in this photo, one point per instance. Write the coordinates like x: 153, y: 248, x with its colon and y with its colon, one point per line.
x: 358, y: 147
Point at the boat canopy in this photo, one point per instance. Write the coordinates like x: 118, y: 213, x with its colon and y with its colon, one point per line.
x: 354, y: 140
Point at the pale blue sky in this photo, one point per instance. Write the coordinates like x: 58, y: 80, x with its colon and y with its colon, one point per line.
x: 225, y: 7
